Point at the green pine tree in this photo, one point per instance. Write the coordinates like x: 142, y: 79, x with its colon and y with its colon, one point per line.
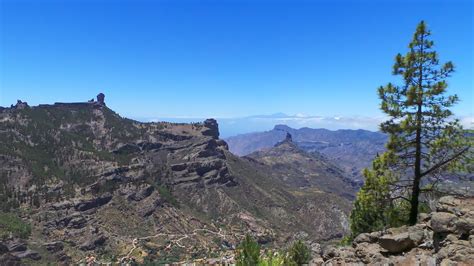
x: 375, y: 207
x: 424, y: 139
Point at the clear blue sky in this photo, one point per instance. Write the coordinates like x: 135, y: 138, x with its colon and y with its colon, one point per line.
x: 223, y: 58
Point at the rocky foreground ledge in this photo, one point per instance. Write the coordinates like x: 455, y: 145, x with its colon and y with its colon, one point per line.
x: 443, y: 237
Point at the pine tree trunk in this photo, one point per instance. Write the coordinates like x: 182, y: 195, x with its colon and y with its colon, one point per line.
x: 414, y: 202
x: 416, y: 181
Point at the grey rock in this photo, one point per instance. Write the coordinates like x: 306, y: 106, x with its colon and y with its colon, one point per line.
x: 93, y: 243
x: 54, y: 246
x: 397, y: 243
x: 212, y: 128
x: 443, y: 222
x: 142, y: 194
x: 93, y: 203
x: 368, y: 237
x: 15, y: 246
x: 77, y: 222
x: 30, y: 254
x: 62, y: 205
x: 369, y: 253
x: 448, y: 204
x: 464, y: 225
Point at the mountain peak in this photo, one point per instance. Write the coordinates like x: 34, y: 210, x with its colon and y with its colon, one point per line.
x: 288, y: 140
x: 282, y: 128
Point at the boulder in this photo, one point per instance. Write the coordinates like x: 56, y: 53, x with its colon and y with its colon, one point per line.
x: 448, y: 204
x: 423, y: 217
x: 369, y: 253
x: 397, y: 243
x: 465, y: 224
x: 368, y: 237
x: 93, y: 243
x: 443, y: 222
x: 342, y: 255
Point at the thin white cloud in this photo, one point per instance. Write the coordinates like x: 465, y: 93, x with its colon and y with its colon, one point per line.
x: 467, y: 122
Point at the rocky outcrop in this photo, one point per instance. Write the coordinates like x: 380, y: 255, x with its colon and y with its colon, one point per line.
x: 20, y: 105
x: 85, y: 205
x: 212, y: 128
x: 444, y: 237
x: 13, y: 250
x: 93, y: 243
x: 101, y: 99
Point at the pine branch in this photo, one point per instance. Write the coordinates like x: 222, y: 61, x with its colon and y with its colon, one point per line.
x: 443, y: 163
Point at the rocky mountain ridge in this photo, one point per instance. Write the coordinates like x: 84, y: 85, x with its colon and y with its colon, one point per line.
x: 91, y: 183
x: 350, y: 150
x: 299, y: 169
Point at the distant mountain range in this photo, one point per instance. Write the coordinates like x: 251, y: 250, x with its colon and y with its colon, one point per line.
x: 350, y: 150
x: 231, y: 126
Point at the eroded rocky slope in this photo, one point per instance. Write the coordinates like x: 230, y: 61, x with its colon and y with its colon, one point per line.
x: 91, y: 183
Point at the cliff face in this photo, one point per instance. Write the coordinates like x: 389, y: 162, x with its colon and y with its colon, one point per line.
x: 91, y: 182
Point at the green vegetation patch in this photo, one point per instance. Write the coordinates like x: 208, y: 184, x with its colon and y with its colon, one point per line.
x: 10, y: 223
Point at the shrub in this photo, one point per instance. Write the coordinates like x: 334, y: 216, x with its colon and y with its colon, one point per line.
x: 271, y: 258
x: 248, y: 252
x: 12, y: 224
x: 299, y: 253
